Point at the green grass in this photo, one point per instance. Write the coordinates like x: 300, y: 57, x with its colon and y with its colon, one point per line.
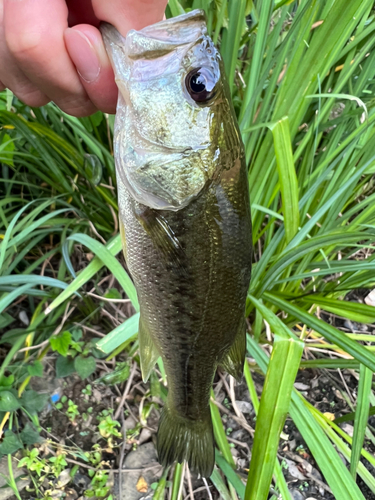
x: 302, y: 79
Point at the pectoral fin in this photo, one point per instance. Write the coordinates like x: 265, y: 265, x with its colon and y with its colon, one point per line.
x: 148, y: 351
x: 163, y: 237
x: 234, y: 360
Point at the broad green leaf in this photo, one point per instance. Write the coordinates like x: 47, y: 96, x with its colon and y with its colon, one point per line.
x: 84, y: 366
x: 9, y: 232
x: 31, y: 280
x: 33, y: 401
x: 29, y: 435
x: 6, y: 381
x: 8, y: 401
x: 10, y: 443
x: 61, y: 342
x: 348, y: 417
x: 35, y: 369
x: 64, y: 367
x: 322, y: 363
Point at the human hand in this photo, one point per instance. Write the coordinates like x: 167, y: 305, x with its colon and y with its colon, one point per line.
x: 52, y: 50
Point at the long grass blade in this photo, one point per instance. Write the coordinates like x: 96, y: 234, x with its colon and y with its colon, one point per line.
x: 274, y: 405
x: 331, y: 333
x: 361, y: 417
x: 287, y: 176
x: 114, y: 247
x: 232, y: 38
x: 123, y: 333
x: 336, y: 474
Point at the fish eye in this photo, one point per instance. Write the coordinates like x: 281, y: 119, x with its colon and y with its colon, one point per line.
x: 200, y: 83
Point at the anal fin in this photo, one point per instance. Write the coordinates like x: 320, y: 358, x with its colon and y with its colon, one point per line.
x: 234, y: 359
x: 148, y: 351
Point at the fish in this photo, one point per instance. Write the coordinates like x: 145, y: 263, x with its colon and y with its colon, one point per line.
x: 185, y: 221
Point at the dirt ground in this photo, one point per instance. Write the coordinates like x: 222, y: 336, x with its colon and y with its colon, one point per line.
x: 323, y: 389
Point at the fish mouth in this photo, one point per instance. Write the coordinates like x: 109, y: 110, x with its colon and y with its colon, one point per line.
x: 180, y: 30
x: 171, y: 27
x: 111, y: 35
x: 176, y: 29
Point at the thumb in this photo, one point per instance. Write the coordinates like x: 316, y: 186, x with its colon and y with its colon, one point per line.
x: 129, y: 14
x: 86, y: 50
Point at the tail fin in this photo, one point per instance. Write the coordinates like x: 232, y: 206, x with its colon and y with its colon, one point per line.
x: 182, y: 439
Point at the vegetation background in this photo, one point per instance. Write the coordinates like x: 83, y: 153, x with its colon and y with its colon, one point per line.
x: 302, y: 78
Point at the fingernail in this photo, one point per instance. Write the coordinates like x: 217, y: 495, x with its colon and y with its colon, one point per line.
x: 83, y: 55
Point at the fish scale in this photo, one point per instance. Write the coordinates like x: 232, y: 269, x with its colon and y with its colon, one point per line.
x: 185, y: 220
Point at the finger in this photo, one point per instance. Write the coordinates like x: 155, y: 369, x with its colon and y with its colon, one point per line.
x: 34, y: 33
x: 86, y: 50
x: 81, y: 12
x: 129, y: 14
x: 12, y: 78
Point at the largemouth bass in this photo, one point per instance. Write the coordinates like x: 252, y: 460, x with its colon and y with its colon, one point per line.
x: 185, y: 219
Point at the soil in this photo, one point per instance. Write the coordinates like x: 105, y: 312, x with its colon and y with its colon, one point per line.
x: 327, y: 390
x: 323, y: 389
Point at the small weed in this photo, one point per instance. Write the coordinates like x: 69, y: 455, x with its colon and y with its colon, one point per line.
x: 72, y: 412
x: 87, y: 391
x: 33, y: 463
x: 108, y: 430
x: 58, y: 464
x: 95, y: 455
x: 98, y: 486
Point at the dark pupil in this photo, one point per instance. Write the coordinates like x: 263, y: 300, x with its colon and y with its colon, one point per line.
x: 198, y: 83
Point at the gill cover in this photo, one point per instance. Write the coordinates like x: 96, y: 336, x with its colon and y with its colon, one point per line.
x: 168, y: 76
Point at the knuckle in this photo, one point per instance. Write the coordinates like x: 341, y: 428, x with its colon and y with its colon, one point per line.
x: 24, y: 44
